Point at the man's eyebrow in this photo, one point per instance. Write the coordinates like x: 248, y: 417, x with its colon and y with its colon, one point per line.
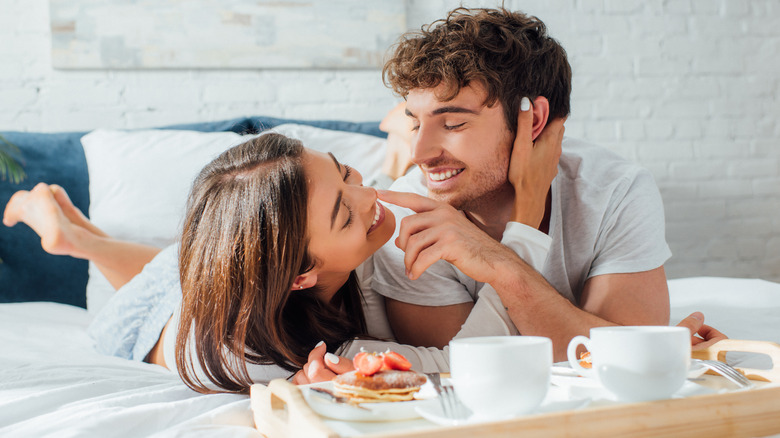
x: 453, y: 109
x: 446, y: 109
x: 337, y: 205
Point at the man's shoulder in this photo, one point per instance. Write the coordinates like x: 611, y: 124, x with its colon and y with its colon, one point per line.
x: 586, y: 163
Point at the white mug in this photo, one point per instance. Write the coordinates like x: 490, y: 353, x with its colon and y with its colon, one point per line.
x: 501, y: 376
x: 636, y: 363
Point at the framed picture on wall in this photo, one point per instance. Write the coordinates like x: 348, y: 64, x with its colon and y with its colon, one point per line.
x: 159, y: 34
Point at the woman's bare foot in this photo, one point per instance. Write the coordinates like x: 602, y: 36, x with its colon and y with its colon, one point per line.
x: 39, y: 209
x: 72, y: 212
x: 398, y: 127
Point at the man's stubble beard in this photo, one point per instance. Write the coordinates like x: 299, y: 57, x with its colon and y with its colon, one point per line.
x: 484, y: 194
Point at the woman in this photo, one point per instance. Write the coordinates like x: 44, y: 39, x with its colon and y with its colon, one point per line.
x: 269, y: 271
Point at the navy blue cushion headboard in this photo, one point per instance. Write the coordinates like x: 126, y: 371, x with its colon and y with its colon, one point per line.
x: 27, y: 273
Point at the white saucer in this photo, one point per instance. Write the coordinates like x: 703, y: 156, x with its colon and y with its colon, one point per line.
x: 555, y: 401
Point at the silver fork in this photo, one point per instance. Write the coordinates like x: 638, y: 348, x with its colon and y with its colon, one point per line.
x: 450, y: 404
x: 726, y: 371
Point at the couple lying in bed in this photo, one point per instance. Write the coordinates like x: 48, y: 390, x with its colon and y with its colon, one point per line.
x: 285, y: 263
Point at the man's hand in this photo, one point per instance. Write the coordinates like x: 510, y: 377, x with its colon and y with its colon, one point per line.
x: 533, y: 165
x: 322, y: 366
x: 440, y: 232
x: 702, y: 335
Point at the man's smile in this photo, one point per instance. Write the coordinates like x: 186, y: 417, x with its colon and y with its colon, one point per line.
x: 444, y: 174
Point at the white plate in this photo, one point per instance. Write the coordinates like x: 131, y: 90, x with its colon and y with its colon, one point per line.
x: 374, y: 411
x: 555, y: 401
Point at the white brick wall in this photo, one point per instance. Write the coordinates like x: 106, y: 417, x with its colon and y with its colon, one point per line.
x: 688, y: 88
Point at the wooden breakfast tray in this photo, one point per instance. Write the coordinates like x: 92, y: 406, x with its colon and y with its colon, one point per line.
x: 280, y: 410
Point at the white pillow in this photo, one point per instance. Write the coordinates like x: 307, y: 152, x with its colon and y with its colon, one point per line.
x: 139, y: 180
x: 363, y: 152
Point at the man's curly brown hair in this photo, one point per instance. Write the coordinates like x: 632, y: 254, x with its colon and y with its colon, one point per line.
x: 509, y: 53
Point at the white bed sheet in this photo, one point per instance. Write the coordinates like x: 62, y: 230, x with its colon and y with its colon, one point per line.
x: 741, y: 308
x: 53, y: 382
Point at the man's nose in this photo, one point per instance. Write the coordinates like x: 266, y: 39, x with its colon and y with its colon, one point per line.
x: 425, y: 146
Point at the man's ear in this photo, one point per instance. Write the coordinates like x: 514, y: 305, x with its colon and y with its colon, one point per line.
x: 541, y: 109
x: 304, y: 281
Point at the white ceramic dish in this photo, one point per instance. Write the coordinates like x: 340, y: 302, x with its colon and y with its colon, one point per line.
x: 555, y: 401
x: 372, y: 412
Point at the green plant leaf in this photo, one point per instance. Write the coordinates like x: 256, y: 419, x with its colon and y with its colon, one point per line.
x: 10, y: 157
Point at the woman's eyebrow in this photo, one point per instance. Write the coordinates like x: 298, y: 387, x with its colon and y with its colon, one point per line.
x: 333, y: 157
x: 337, y: 205
x: 336, y: 208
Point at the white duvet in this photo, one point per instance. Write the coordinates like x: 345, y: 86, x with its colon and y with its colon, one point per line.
x: 53, y: 383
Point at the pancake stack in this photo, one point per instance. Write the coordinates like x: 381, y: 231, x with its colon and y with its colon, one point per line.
x: 383, y: 386
x: 379, y: 377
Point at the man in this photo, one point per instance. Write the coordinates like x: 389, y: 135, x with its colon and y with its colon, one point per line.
x: 464, y: 79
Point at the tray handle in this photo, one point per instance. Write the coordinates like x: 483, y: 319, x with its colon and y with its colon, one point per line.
x: 718, y: 350
x: 280, y: 410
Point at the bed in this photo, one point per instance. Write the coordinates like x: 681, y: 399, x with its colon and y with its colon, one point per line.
x: 53, y: 382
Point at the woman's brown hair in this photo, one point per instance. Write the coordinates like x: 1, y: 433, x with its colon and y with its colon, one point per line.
x: 509, y: 53
x: 244, y: 242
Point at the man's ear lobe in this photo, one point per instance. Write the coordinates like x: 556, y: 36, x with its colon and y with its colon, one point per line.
x: 304, y: 281
x: 541, y: 110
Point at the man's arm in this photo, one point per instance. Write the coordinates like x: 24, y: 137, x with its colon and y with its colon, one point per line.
x: 430, y: 326
x: 640, y: 298
x: 538, y: 309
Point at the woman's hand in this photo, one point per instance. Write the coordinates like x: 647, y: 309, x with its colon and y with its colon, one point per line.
x: 322, y: 366
x: 533, y: 165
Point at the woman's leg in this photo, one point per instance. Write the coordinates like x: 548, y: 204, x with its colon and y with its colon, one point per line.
x: 64, y: 230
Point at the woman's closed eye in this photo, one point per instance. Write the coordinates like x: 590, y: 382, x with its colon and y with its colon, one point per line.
x: 453, y: 127
x: 349, y: 216
x: 347, y: 173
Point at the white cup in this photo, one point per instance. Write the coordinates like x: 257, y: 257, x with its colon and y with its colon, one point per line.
x: 501, y: 376
x: 636, y: 363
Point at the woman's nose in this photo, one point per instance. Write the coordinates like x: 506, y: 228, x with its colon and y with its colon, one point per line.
x: 366, y: 197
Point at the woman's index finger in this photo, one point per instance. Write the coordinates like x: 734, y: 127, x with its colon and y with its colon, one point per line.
x: 412, y: 201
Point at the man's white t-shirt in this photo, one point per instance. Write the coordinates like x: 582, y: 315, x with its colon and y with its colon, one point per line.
x: 606, y: 218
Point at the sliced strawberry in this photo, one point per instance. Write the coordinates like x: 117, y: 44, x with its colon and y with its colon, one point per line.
x: 585, y: 360
x: 396, y: 361
x: 358, y: 359
x: 367, y: 364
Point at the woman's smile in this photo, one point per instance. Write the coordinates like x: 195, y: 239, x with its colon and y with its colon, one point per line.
x: 379, y: 217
